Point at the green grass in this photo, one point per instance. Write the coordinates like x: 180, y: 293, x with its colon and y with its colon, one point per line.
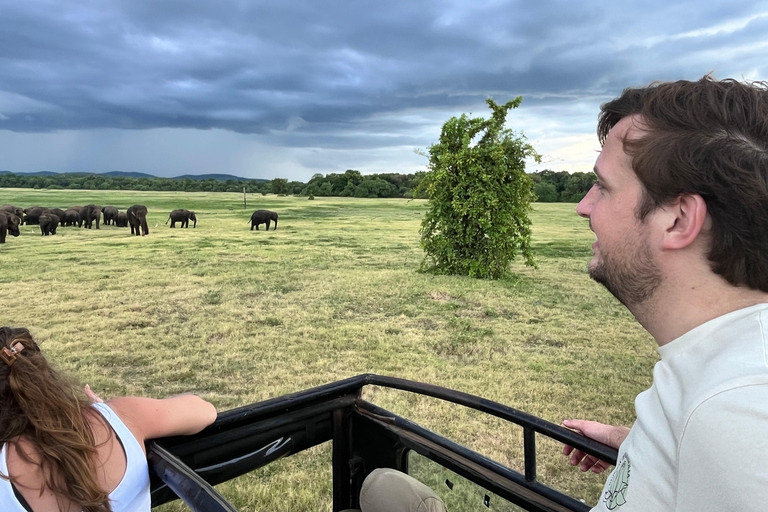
x: 239, y: 316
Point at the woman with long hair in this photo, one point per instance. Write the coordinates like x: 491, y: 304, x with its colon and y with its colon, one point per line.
x: 62, y: 453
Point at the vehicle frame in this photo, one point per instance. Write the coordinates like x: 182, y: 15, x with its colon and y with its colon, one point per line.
x: 364, y: 437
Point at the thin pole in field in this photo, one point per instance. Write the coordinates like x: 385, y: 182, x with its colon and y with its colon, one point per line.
x: 245, y: 205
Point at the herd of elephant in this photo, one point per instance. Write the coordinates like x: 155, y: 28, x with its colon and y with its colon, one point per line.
x: 49, y: 219
x: 11, y: 217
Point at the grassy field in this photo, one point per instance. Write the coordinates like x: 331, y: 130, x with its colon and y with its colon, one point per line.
x: 239, y: 316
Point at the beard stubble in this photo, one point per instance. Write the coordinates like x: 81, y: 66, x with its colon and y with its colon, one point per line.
x: 629, y: 273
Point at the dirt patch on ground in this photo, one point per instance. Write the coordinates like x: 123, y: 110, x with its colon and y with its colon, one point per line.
x: 426, y: 324
x: 536, y: 340
x: 476, y: 313
x: 217, y: 337
x: 440, y: 296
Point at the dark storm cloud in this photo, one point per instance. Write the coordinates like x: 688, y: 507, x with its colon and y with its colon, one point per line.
x: 326, y: 74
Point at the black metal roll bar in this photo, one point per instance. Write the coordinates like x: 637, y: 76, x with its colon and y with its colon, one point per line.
x: 243, y: 439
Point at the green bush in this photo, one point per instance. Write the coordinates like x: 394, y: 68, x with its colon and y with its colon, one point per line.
x: 479, y: 197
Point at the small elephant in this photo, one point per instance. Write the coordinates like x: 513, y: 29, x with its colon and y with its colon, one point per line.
x: 48, y: 224
x: 137, y: 218
x: 77, y: 209
x: 71, y: 217
x: 122, y: 220
x: 110, y: 214
x: 262, y: 217
x: 88, y: 214
x: 183, y: 216
x: 9, y: 223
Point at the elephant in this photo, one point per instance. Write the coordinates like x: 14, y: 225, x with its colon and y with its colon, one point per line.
x: 9, y: 223
x: 137, y: 218
x: 110, y: 214
x: 48, y: 224
x: 122, y: 220
x: 182, y: 216
x: 88, y: 214
x: 71, y: 217
x: 59, y: 213
x: 77, y: 209
x: 262, y: 217
x: 19, y: 212
x: 32, y: 215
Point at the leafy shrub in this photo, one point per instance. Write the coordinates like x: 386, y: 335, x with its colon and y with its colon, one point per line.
x: 479, y: 197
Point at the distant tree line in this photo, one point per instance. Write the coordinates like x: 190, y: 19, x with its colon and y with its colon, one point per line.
x: 549, y: 186
x: 349, y: 184
x: 561, y: 187
x: 80, y: 181
x: 354, y: 184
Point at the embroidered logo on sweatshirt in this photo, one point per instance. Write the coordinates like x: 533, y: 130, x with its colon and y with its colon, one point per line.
x: 618, y: 484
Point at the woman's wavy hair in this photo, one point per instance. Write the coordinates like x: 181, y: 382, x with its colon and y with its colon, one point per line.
x: 709, y: 138
x: 47, y: 410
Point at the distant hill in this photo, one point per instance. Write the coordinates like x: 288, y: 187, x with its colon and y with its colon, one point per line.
x: 217, y: 177
x: 122, y: 174
x: 39, y: 173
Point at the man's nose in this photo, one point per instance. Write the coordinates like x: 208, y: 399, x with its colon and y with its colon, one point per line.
x: 584, y: 207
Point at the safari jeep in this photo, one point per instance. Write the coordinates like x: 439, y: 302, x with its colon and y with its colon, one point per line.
x: 364, y: 438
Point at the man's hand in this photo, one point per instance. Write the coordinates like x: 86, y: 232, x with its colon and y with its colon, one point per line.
x: 600, y: 432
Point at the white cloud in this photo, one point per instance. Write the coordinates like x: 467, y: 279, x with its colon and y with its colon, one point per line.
x: 725, y: 27
x: 295, y: 123
x: 571, y: 153
x: 164, y: 44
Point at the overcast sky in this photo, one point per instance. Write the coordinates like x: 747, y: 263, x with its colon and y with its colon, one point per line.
x: 265, y: 89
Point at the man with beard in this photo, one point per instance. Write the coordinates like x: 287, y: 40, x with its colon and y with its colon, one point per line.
x: 680, y: 215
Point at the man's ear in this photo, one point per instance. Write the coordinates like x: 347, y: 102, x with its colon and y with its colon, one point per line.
x: 684, y: 218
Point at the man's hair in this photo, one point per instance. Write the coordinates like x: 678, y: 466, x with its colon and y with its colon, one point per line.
x: 709, y: 138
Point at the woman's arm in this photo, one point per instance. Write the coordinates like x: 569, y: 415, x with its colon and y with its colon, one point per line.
x: 150, y: 418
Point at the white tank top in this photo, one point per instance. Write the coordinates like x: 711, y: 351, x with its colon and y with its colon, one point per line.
x: 130, y: 495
